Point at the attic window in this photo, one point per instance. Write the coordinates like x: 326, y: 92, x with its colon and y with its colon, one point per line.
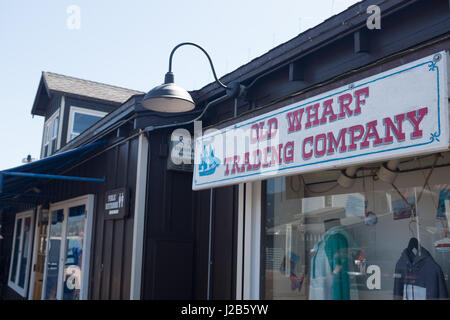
x: 51, y: 128
x: 81, y: 119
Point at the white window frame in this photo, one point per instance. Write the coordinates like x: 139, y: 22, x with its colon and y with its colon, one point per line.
x: 61, y: 121
x: 88, y: 201
x: 85, y: 111
x: 250, y: 238
x: 46, y: 140
x: 13, y: 285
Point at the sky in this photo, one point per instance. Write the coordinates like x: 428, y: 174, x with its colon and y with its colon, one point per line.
x: 127, y: 44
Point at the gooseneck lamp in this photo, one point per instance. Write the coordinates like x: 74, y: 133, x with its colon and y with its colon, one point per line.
x: 170, y: 97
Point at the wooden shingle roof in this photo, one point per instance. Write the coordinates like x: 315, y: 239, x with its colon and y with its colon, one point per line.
x: 86, y: 88
x: 53, y: 83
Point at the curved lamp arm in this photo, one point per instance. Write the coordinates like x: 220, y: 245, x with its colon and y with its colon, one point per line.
x: 169, y: 75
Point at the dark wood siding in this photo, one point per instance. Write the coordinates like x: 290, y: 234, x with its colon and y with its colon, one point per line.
x: 111, y: 247
x: 201, y: 244
x: 177, y: 234
x: 170, y: 228
x: 223, y: 244
x: 224, y: 241
x: 54, y: 104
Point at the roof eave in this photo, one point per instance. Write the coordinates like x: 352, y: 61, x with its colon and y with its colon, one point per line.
x: 42, y: 84
x: 83, y: 97
x: 328, y: 31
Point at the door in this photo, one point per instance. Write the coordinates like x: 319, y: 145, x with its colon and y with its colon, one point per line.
x: 66, y: 269
x: 55, y: 226
x: 41, y: 246
x: 73, y: 256
x: 21, y: 253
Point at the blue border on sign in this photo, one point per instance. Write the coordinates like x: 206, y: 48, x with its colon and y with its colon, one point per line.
x: 434, y: 136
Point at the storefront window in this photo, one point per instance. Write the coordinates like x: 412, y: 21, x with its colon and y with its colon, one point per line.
x: 67, y: 272
x: 74, y: 252
x: 357, y: 243
x: 54, y: 243
x: 16, y: 250
x: 21, y: 253
x: 24, y: 252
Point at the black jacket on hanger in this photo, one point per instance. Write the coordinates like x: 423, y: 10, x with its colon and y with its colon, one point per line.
x: 418, y: 277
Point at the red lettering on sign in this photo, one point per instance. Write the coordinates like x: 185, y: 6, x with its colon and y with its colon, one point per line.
x: 359, y: 100
x: 320, y: 151
x: 345, y: 101
x: 236, y: 165
x: 307, y: 155
x: 328, y: 110
x: 398, y: 131
x: 289, y: 152
x: 371, y: 132
x: 295, y: 120
x: 416, y: 117
x: 354, y: 137
x: 311, y: 115
x: 334, y: 143
x: 226, y: 162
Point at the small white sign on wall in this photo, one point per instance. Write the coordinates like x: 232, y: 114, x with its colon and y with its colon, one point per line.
x: 398, y: 113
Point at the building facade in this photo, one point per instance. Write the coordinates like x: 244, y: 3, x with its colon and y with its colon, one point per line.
x: 342, y: 161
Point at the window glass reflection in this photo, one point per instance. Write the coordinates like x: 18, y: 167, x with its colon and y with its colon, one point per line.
x: 54, y: 243
x: 74, y: 252
x: 81, y: 122
x: 16, y: 250
x: 25, y: 250
x: 356, y: 245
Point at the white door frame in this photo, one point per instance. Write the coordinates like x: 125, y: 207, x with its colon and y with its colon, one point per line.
x: 34, y: 253
x: 22, y: 215
x: 88, y: 201
x: 249, y: 242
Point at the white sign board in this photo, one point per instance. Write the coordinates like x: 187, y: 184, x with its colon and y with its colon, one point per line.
x: 398, y: 113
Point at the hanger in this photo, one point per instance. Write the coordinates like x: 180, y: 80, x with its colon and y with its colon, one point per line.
x: 413, y: 244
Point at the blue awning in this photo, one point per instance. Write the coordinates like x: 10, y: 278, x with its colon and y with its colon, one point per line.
x: 19, y: 181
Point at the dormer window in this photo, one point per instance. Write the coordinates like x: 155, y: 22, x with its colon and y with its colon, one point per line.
x: 51, y: 129
x: 81, y: 119
x: 81, y: 103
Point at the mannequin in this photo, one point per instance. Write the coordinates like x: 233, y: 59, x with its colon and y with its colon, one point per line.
x: 329, y: 278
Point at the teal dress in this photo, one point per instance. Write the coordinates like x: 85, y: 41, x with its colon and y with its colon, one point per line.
x: 329, y: 267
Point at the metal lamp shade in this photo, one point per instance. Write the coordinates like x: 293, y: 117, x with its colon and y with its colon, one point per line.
x: 168, y: 97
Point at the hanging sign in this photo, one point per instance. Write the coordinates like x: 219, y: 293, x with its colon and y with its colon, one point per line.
x: 116, y: 204
x: 398, y: 113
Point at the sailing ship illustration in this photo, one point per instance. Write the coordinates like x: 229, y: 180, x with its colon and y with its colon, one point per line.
x: 209, y: 162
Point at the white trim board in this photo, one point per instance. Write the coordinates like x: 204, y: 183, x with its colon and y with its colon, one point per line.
x: 252, y: 241
x: 88, y: 201
x: 61, y: 122
x: 34, y: 252
x: 139, y: 218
